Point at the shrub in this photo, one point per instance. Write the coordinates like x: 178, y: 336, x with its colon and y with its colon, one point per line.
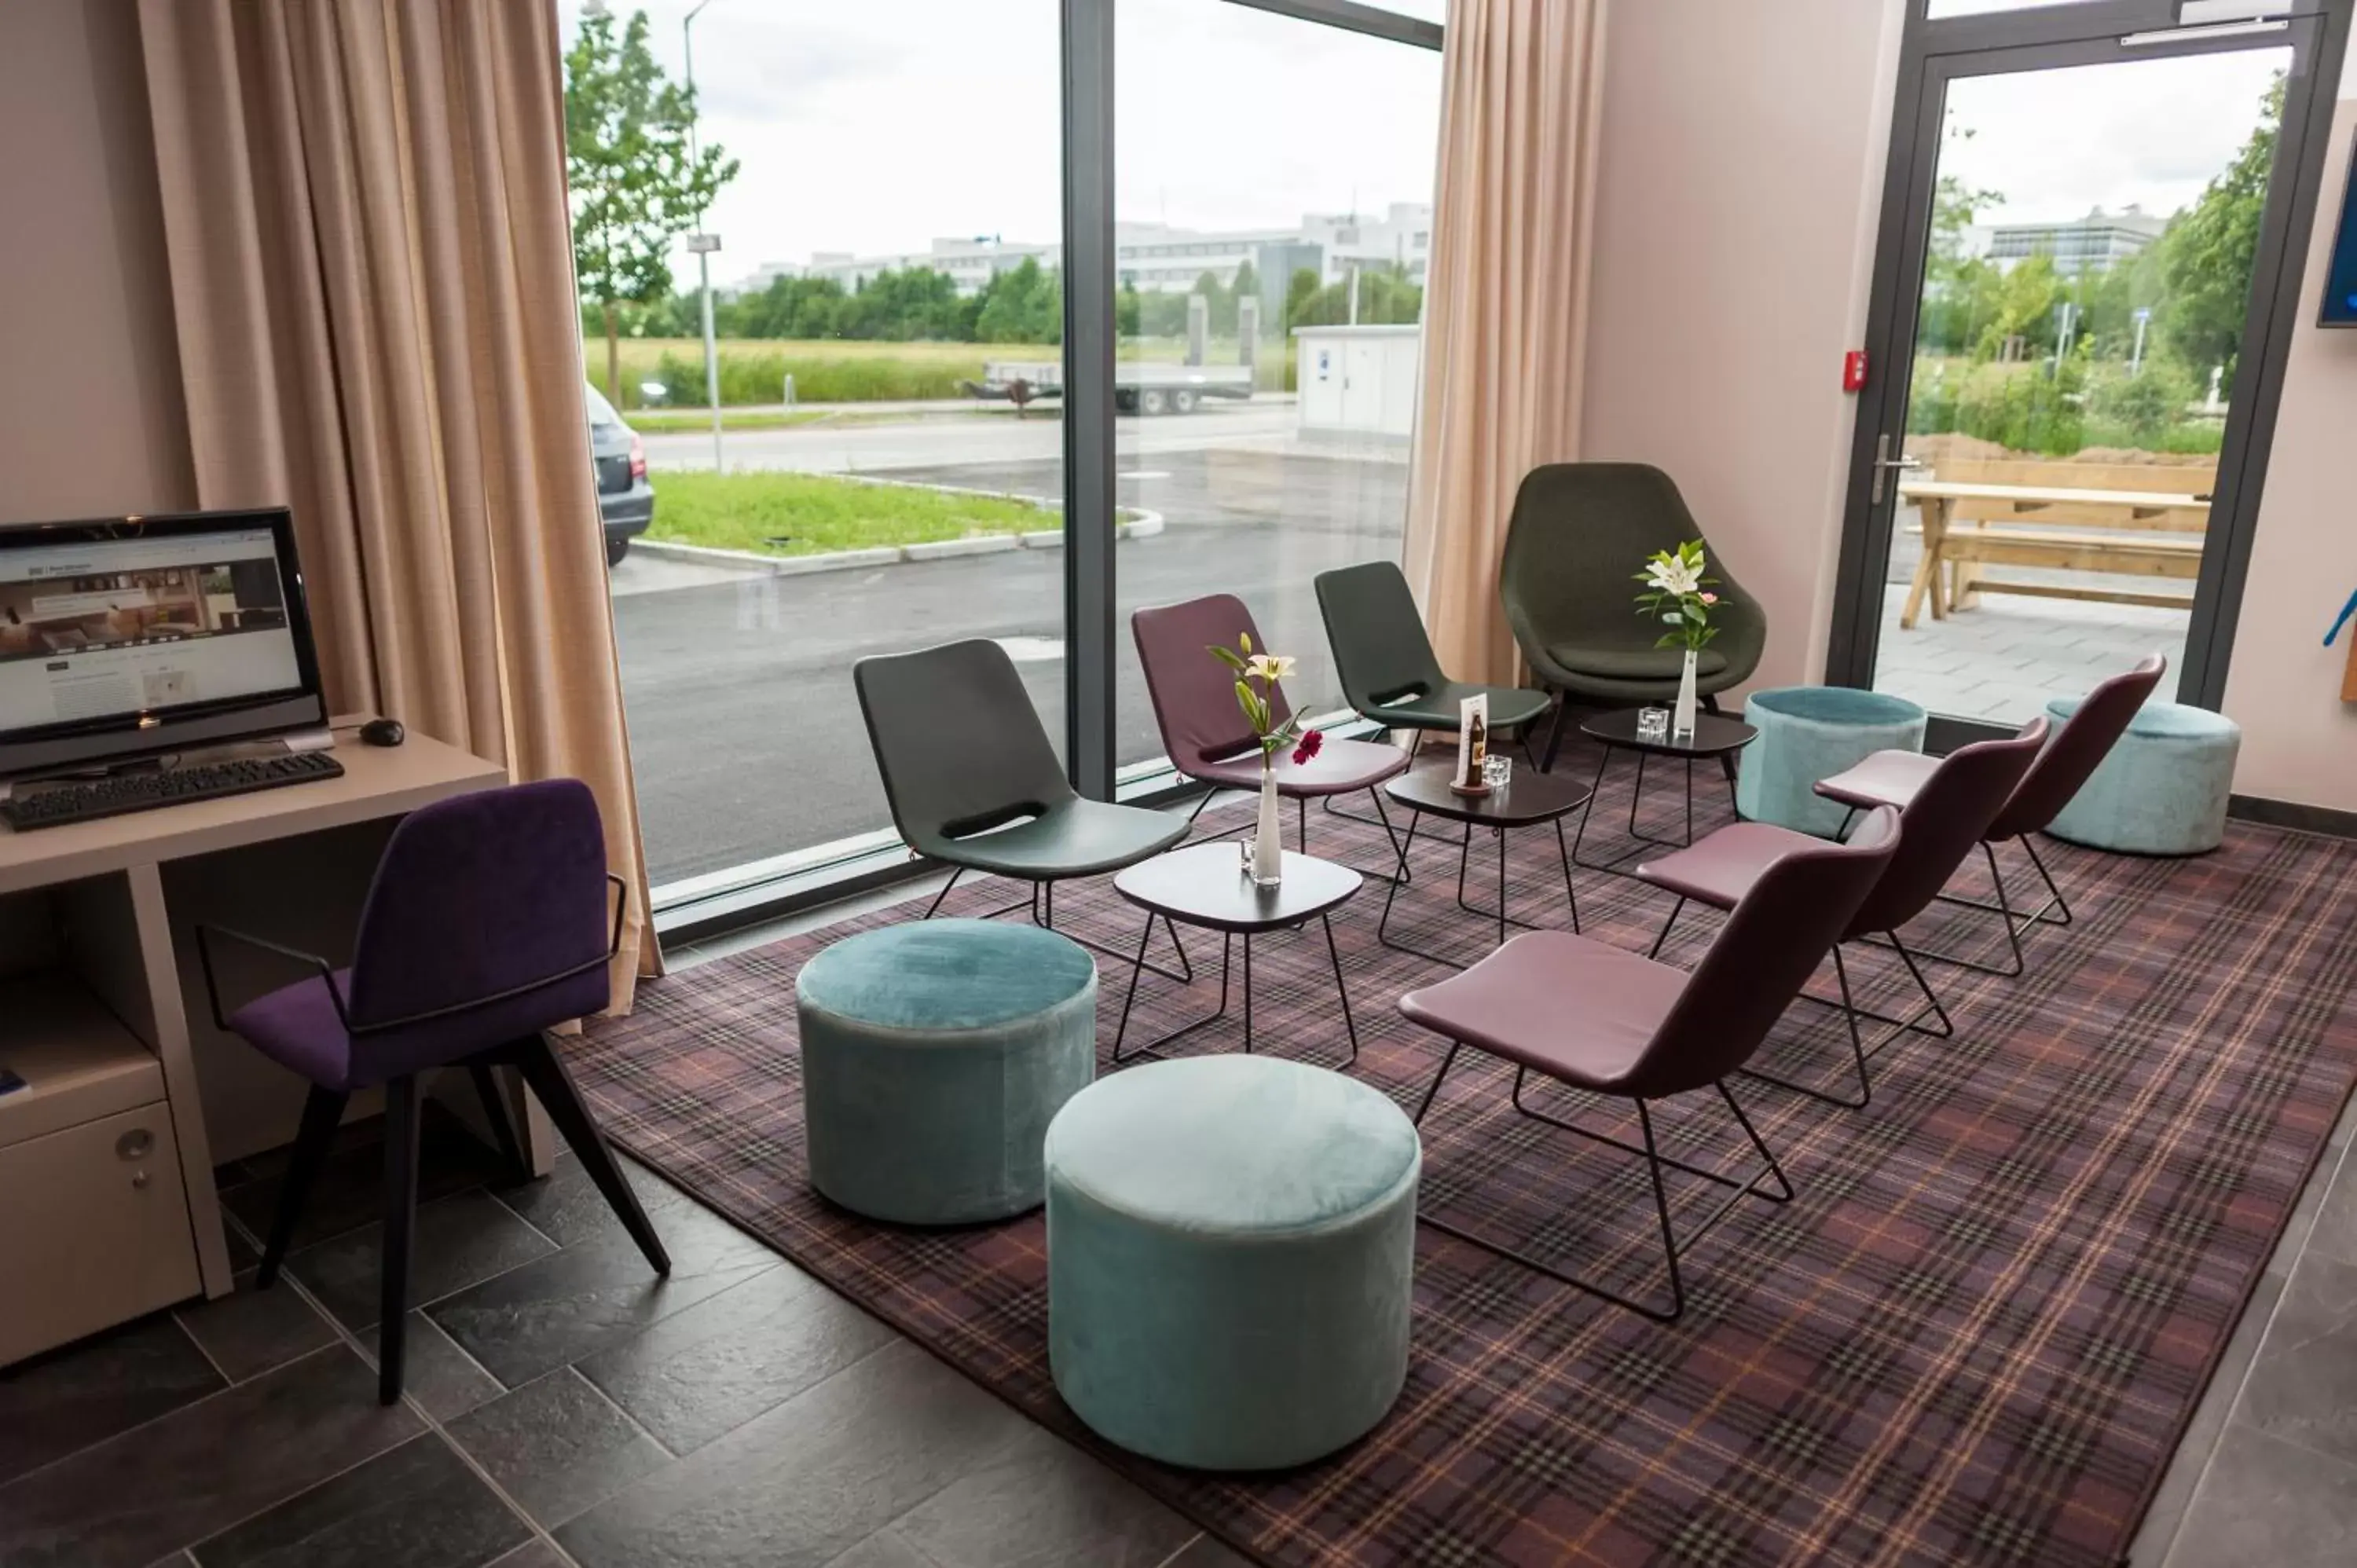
x: 2148, y: 406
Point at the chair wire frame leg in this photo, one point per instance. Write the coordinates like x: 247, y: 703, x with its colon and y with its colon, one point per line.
x: 1464, y: 854
x: 2017, y: 924
x: 1655, y: 1161
x: 1040, y: 906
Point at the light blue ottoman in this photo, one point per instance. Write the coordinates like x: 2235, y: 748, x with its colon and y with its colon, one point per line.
x: 1808, y: 733
x: 2162, y: 790
x: 934, y: 1055
x: 1231, y: 1250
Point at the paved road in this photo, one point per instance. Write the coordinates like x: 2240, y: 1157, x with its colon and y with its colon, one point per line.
x: 746, y: 736
x: 874, y: 448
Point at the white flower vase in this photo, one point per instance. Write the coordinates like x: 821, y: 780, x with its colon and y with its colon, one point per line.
x: 1682, y: 722
x: 1268, y: 845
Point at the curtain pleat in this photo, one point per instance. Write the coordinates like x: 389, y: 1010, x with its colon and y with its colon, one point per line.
x: 1506, y: 316
x: 370, y: 255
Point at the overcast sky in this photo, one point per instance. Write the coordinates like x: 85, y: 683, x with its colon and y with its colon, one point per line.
x: 876, y: 126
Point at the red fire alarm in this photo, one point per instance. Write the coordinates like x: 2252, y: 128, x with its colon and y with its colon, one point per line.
x: 1854, y: 370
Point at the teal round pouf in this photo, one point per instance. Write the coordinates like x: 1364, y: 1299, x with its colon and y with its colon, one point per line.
x: 934, y: 1055
x: 1231, y: 1253
x: 1808, y: 733
x: 2163, y: 788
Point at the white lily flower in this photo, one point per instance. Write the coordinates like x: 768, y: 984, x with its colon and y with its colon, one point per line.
x: 1673, y: 577
x: 1271, y: 667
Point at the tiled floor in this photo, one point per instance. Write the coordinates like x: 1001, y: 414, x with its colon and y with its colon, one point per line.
x: 2002, y: 659
x: 566, y: 1408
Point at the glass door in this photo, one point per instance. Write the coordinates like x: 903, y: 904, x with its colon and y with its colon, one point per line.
x: 2054, y: 467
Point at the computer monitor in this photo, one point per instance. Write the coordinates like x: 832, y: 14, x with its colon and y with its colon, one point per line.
x: 133, y: 636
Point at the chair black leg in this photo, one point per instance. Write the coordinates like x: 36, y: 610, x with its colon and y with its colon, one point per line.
x: 1675, y: 909
x: 545, y: 1071
x: 322, y: 1113
x: 955, y: 871
x: 400, y: 1224
x: 495, y: 1112
x: 1849, y: 1012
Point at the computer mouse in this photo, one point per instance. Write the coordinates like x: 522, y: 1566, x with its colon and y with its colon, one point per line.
x: 382, y: 732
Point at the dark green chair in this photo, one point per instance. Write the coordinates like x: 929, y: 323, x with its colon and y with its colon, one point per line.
x: 973, y: 780
x: 1579, y: 536
x: 1384, y: 658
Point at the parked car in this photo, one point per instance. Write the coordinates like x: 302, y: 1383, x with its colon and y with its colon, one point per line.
x: 626, y: 501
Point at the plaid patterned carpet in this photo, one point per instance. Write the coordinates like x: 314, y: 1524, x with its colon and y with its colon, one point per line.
x: 1974, y: 1338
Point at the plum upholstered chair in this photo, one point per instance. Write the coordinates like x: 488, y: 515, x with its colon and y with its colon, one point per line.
x: 1937, y: 830
x: 492, y: 918
x: 1893, y: 777
x: 1600, y: 1018
x: 1204, y: 733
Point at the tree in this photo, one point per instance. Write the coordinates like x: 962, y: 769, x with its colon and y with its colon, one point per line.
x: 2207, y: 252
x: 633, y: 183
x: 1024, y: 304
x: 1299, y: 290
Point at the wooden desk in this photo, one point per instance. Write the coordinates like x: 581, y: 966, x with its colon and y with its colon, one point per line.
x: 106, y: 1160
x: 2138, y: 532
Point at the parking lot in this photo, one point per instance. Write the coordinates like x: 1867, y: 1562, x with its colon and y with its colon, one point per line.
x: 746, y: 734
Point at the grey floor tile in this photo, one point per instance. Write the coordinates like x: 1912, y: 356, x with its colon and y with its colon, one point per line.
x: 556, y: 1445
x: 2267, y: 1503
x: 85, y: 1394
x: 2303, y: 1387
x: 534, y: 1553
x: 443, y: 1379
x: 574, y: 1303
x: 566, y: 1207
x: 350, y: 1192
x: 1043, y: 1505
x: 461, y: 1240
x: 883, y: 1550
x: 418, y: 1506
x: 201, y: 1468
x: 249, y: 1331
x: 709, y: 1370
x: 1204, y: 1552
x: 810, y: 1480
x: 2335, y: 1235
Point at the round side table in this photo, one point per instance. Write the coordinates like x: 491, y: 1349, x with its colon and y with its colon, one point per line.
x: 1715, y: 736
x: 1204, y: 885
x: 1530, y: 798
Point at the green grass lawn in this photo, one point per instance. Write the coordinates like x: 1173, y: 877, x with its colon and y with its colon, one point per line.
x: 812, y: 513
x: 654, y: 421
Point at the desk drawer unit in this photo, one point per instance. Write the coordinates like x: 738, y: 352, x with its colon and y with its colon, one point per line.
x: 94, y: 1230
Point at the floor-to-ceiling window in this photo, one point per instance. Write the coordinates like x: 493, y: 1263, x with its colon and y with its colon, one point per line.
x: 876, y: 194
x: 1274, y: 206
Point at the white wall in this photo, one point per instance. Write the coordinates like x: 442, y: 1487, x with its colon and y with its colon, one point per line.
x: 1742, y: 170
x: 90, y: 416
x: 2299, y: 740
x: 1741, y: 182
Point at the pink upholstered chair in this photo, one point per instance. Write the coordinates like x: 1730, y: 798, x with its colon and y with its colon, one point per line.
x: 1600, y: 1018
x: 1892, y: 778
x: 1204, y: 733
x: 1961, y: 794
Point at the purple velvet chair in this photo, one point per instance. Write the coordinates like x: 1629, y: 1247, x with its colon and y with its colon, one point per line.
x: 487, y: 922
x: 1892, y: 778
x: 1602, y: 1019
x: 1204, y: 733
x: 1960, y: 795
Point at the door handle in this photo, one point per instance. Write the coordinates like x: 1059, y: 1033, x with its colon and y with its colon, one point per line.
x: 1884, y: 463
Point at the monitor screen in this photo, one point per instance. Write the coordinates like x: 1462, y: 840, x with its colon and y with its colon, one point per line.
x: 137, y: 635
x: 2341, y: 280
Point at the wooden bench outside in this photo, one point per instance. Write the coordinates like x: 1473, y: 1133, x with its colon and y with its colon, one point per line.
x: 2130, y: 532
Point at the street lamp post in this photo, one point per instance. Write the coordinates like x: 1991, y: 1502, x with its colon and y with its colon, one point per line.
x: 702, y: 244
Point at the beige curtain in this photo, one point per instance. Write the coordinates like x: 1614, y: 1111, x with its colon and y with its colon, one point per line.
x: 370, y: 259
x: 1506, y: 315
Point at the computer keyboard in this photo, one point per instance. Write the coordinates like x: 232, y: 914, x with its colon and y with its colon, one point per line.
x: 54, y: 805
